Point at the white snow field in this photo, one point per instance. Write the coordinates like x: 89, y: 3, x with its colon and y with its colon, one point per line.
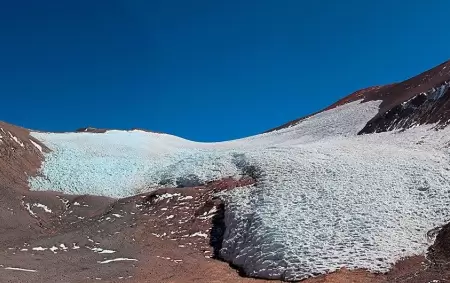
x: 326, y: 198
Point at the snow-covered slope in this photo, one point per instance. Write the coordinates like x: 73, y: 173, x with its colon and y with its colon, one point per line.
x: 326, y: 198
x: 122, y: 163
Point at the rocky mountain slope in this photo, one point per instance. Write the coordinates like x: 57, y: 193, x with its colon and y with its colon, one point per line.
x: 358, y: 192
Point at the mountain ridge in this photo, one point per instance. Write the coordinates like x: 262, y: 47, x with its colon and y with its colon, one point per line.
x: 392, y: 96
x: 355, y: 192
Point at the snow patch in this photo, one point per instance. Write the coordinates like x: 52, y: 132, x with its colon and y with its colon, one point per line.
x: 117, y: 259
x: 63, y: 247
x: 185, y: 198
x: 20, y: 269
x: 199, y: 234
x: 209, y: 214
x: 107, y: 252
x: 166, y: 196
x: 44, y: 207
x: 39, y: 249
x: 16, y: 139
x: 101, y: 251
x: 28, y: 208
x: 37, y: 146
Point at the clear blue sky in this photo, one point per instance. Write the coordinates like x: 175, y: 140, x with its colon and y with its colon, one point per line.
x: 205, y: 70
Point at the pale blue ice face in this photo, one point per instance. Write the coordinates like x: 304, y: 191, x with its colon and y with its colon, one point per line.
x: 119, y: 164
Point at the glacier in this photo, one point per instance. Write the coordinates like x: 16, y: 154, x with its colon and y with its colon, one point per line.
x: 326, y: 197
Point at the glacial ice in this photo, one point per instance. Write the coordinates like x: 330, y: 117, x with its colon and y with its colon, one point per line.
x: 325, y: 198
x: 120, y: 164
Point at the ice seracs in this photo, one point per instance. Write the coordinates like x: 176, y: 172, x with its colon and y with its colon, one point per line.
x: 325, y: 198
